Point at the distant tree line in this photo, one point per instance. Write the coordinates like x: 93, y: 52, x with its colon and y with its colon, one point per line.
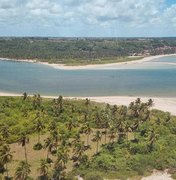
x: 62, y: 50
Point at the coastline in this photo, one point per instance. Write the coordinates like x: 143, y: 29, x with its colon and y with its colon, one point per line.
x: 91, y: 66
x: 162, y: 103
x: 19, y: 60
x: 105, y: 66
x: 166, y: 104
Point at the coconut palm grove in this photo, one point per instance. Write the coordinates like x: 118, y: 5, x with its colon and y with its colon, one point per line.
x: 65, y: 139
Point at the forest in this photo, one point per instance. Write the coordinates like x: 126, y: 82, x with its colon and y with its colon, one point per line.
x: 60, y: 139
x: 73, y: 51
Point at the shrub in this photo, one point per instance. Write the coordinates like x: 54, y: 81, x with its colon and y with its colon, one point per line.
x: 93, y: 176
x: 49, y: 160
x: 37, y: 146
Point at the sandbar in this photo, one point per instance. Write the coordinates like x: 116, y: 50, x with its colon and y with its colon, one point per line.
x: 91, y: 66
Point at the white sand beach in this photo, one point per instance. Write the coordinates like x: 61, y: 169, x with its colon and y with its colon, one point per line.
x: 166, y: 104
x: 105, y: 66
x: 92, y: 66
x: 162, y: 103
x: 19, y: 60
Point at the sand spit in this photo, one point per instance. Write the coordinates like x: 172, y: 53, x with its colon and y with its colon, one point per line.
x: 92, y: 66
x: 105, y: 66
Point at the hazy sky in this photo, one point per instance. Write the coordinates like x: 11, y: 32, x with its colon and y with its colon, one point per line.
x: 103, y: 18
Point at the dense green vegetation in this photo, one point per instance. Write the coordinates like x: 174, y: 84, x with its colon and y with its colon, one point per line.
x: 73, y: 51
x: 61, y: 138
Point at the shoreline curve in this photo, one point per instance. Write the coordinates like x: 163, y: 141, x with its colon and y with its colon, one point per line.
x: 166, y: 104
x: 91, y: 66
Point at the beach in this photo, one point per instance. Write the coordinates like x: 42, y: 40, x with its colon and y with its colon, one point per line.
x: 92, y: 66
x: 104, y: 66
x: 166, y: 104
x: 160, y: 103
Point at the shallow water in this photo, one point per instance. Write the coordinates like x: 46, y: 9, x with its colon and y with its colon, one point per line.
x: 156, y: 78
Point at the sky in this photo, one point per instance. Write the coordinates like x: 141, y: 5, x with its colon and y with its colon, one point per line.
x: 88, y: 18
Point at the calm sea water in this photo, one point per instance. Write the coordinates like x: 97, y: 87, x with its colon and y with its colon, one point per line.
x: 157, y: 78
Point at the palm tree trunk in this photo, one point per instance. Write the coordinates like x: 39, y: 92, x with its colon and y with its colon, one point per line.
x: 87, y: 139
x: 105, y: 135
x: 127, y: 136
x: 38, y: 137
x: 7, y: 171
x: 25, y: 152
x: 97, y: 145
x: 109, y: 139
x: 47, y: 155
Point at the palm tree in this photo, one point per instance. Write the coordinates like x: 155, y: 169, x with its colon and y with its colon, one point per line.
x: 78, y: 152
x: 5, y: 132
x: 58, y: 172
x: 39, y: 100
x: 22, y: 171
x: 54, y: 132
x: 114, y: 111
x: 60, y: 164
x: 24, y: 96
x: 106, y: 121
x: 36, y: 101
x: 87, y: 103
x: 97, y: 117
x: 76, y: 139
x: 121, y: 127
x: 87, y: 130
x: 71, y: 123
x: 55, y: 108
x: 168, y: 118
x: 23, y: 140
x: 49, y: 144
x: 63, y: 155
x: 97, y: 139
x: 60, y: 103
x: 86, y: 115
x: 138, y: 101
x: 152, y: 137
x: 38, y: 127
x: 64, y: 138
x: 5, y: 156
x: 150, y: 103
x: 43, y: 169
x: 112, y: 134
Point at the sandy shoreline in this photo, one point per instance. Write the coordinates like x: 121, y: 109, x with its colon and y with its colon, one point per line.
x: 167, y: 104
x: 104, y: 66
x: 92, y: 66
x: 162, y: 103
x: 19, y: 60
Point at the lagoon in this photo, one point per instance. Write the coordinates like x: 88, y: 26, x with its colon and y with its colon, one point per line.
x: 155, y: 78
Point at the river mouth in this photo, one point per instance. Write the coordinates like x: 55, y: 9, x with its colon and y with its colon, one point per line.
x: 155, y: 78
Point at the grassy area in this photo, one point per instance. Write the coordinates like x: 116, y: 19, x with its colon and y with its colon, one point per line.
x: 35, y: 156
